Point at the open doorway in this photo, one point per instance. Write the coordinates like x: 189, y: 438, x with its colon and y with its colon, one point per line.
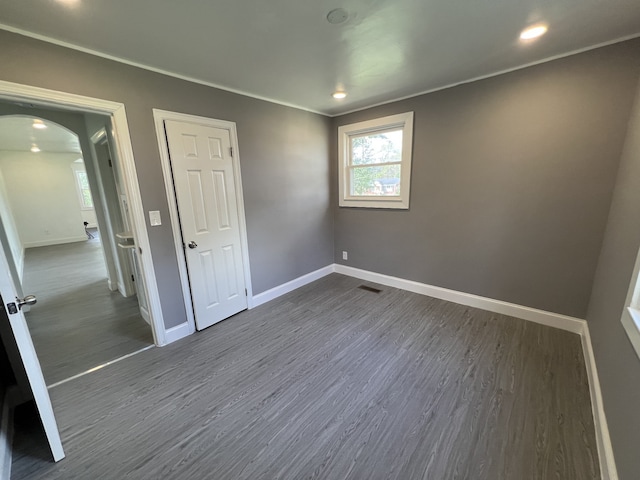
x: 65, y: 225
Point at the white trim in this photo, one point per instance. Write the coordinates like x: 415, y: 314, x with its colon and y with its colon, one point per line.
x: 122, y: 141
x: 68, y: 101
x: 61, y: 43
x: 6, y: 436
x: 179, y: 331
x: 144, y: 313
x: 631, y: 323
x: 608, y: 469
x: 630, y: 317
x: 20, y: 263
x: 159, y: 117
x: 564, y: 322
x: 275, y: 292
x: 543, y: 317
x: 403, y: 121
x: 575, y: 325
x: 489, y: 75
x: 55, y: 241
x: 149, y: 68
x: 107, y: 235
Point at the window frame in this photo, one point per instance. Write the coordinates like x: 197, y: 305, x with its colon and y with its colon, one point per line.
x: 402, y: 121
x: 76, y: 175
x: 631, y: 313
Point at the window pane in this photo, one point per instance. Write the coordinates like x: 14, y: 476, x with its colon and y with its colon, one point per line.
x: 376, y: 148
x: 83, y: 180
x: 376, y: 181
x: 87, y: 201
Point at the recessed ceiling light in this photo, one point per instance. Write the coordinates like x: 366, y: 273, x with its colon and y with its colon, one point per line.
x: 339, y: 95
x: 534, y: 31
x: 34, y: 148
x: 37, y: 123
x: 337, y: 16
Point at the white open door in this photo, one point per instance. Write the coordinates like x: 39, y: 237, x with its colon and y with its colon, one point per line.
x: 204, y: 180
x: 29, y: 359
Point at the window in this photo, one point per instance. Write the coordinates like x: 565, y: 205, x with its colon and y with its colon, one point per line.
x: 375, y: 162
x: 86, y: 202
x: 631, y: 314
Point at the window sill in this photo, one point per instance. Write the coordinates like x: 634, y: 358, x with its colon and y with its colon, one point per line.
x: 631, y: 323
x: 373, y: 202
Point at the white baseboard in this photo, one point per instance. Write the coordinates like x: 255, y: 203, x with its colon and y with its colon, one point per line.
x: 55, y: 241
x: 176, y: 333
x: 564, y: 322
x: 543, y: 317
x: 275, y: 292
x: 608, y: 469
x: 144, y: 313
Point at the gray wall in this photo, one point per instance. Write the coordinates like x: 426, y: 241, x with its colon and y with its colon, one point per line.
x: 283, y: 157
x: 618, y: 364
x: 512, y: 182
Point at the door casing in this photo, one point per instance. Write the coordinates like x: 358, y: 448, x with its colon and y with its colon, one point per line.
x: 159, y: 117
x: 15, y: 92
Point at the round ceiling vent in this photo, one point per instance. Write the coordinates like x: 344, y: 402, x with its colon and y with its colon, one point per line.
x: 337, y: 16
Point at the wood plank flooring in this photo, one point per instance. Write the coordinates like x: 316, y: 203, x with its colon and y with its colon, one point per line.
x: 333, y: 382
x: 78, y: 323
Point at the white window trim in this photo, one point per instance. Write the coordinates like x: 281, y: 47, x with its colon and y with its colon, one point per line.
x: 76, y: 170
x: 631, y: 313
x: 345, y: 132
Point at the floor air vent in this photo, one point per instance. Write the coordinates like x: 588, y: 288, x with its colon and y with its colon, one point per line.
x: 369, y: 289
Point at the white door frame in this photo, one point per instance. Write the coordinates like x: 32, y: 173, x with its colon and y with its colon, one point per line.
x: 69, y: 101
x: 159, y: 116
x: 125, y: 285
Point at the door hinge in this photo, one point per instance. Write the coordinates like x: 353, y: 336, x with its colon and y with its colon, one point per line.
x: 231, y: 151
x: 110, y: 164
x: 246, y: 294
x: 133, y: 278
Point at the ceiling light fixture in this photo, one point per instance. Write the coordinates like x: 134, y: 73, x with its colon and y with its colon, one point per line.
x: 337, y: 16
x: 534, y: 31
x: 34, y: 148
x: 37, y: 123
x: 339, y: 95
x: 69, y: 3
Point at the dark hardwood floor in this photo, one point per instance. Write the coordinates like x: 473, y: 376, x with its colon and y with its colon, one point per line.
x: 78, y: 323
x: 333, y: 382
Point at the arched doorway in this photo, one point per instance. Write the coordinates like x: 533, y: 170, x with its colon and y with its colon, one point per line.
x: 50, y: 190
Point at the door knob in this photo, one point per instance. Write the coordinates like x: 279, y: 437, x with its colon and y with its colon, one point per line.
x: 192, y: 244
x: 28, y: 300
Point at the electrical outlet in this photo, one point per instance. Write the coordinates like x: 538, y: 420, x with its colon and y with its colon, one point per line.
x: 345, y: 255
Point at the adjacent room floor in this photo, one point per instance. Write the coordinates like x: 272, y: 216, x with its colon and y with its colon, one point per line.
x: 78, y: 323
x: 332, y: 382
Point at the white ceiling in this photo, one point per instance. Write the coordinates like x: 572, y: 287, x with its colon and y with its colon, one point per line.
x: 286, y: 51
x: 17, y: 134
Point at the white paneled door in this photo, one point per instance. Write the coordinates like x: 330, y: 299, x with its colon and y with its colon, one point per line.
x: 203, y: 175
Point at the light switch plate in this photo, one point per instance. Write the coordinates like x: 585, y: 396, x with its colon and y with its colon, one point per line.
x: 154, y: 218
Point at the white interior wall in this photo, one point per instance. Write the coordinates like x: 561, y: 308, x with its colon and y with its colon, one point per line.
x: 89, y: 216
x: 43, y: 197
